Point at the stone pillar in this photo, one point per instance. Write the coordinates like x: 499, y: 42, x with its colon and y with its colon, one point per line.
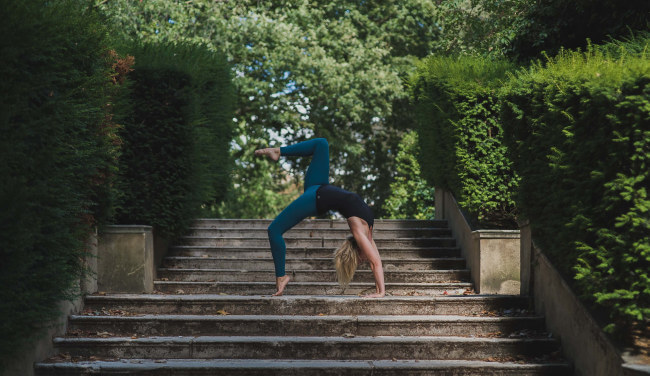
x: 125, y: 260
x: 526, y: 252
x: 88, y: 283
x: 439, y: 203
x: 499, y: 262
x: 493, y: 256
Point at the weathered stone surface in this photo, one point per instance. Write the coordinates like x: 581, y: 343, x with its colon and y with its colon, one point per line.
x: 493, y: 256
x: 307, y: 325
x: 312, y: 263
x: 311, y: 347
x: 308, y: 252
x: 307, y: 304
x: 298, y: 275
x: 212, y: 301
x: 125, y: 259
x: 309, y: 288
x: 380, y: 224
x: 243, y: 241
x: 568, y: 319
x: 269, y: 367
x: 329, y: 233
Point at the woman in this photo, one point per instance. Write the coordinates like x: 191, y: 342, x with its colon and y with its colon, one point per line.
x: 319, y: 197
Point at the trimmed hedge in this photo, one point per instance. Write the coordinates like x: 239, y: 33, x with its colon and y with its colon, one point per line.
x: 460, y: 136
x: 57, y: 156
x: 578, y: 128
x: 175, y: 156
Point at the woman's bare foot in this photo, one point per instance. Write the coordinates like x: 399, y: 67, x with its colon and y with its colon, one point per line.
x: 375, y: 295
x: 272, y: 153
x: 281, y: 283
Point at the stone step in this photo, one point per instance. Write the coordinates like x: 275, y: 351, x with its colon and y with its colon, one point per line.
x: 274, y: 367
x: 313, y: 242
x: 308, y: 304
x: 309, y: 252
x: 308, y: 288
x: 321, y: 326
x: 241, y: 275
x: 287, y: 347
x: 319, y: 263
x: 380, y: 224
x: 328, y: 233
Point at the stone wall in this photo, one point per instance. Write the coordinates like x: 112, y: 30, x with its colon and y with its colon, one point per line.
x: 493, y: 256
x: 36, y: 351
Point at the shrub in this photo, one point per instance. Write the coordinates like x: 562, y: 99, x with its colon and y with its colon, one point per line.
x: 410, y: 196
x: 579, y: 132
x: 57, y: 156
x: 175, y: 156
x: 461, y: 138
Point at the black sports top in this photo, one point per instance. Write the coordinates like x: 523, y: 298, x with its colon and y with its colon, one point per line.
x: 329, y: 197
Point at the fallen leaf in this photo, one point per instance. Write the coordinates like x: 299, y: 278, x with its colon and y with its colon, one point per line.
x: 222, y: 312
x: 322, y: 314
x: 445, y: 293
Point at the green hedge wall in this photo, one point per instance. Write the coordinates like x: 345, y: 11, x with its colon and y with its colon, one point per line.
x: 176, y: 137
x: 460, y: 137
x: 578, y: 128
x: 56, y: 156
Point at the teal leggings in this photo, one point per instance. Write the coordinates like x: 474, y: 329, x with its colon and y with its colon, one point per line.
x: 305, y: 205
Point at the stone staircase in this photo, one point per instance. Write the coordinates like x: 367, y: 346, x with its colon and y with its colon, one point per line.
x: 212, y: 313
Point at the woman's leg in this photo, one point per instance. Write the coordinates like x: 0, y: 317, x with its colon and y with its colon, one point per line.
x: 304, y: 206
x: 319, y: 168
x: 301, y: 208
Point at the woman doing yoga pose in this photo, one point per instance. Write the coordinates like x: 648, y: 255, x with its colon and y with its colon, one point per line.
x: 319, y: 197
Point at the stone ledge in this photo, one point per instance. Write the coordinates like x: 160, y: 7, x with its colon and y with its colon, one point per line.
x: 124, y: 229
x: 493, y: 256
x: 583, y: 341
x: 125, y: 259
x: 496, y: 234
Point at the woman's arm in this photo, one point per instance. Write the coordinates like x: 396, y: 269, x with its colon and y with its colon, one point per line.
x: 369, y: 251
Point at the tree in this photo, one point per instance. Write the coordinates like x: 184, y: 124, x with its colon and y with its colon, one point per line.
x: 331, y: 69
x: 552, y: 24
x: 411, y: 196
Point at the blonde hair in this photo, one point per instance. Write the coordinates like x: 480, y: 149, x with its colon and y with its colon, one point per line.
x: 346, y: 259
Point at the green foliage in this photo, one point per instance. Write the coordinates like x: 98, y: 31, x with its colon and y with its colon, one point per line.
x: 57, y: 156
x: 461, y: 139
x: 579, y: 133
x: 302, y: 69
x: 175, y: 152
x: 552, y: 24
x: 479, y: 27
x: 410, y: 197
